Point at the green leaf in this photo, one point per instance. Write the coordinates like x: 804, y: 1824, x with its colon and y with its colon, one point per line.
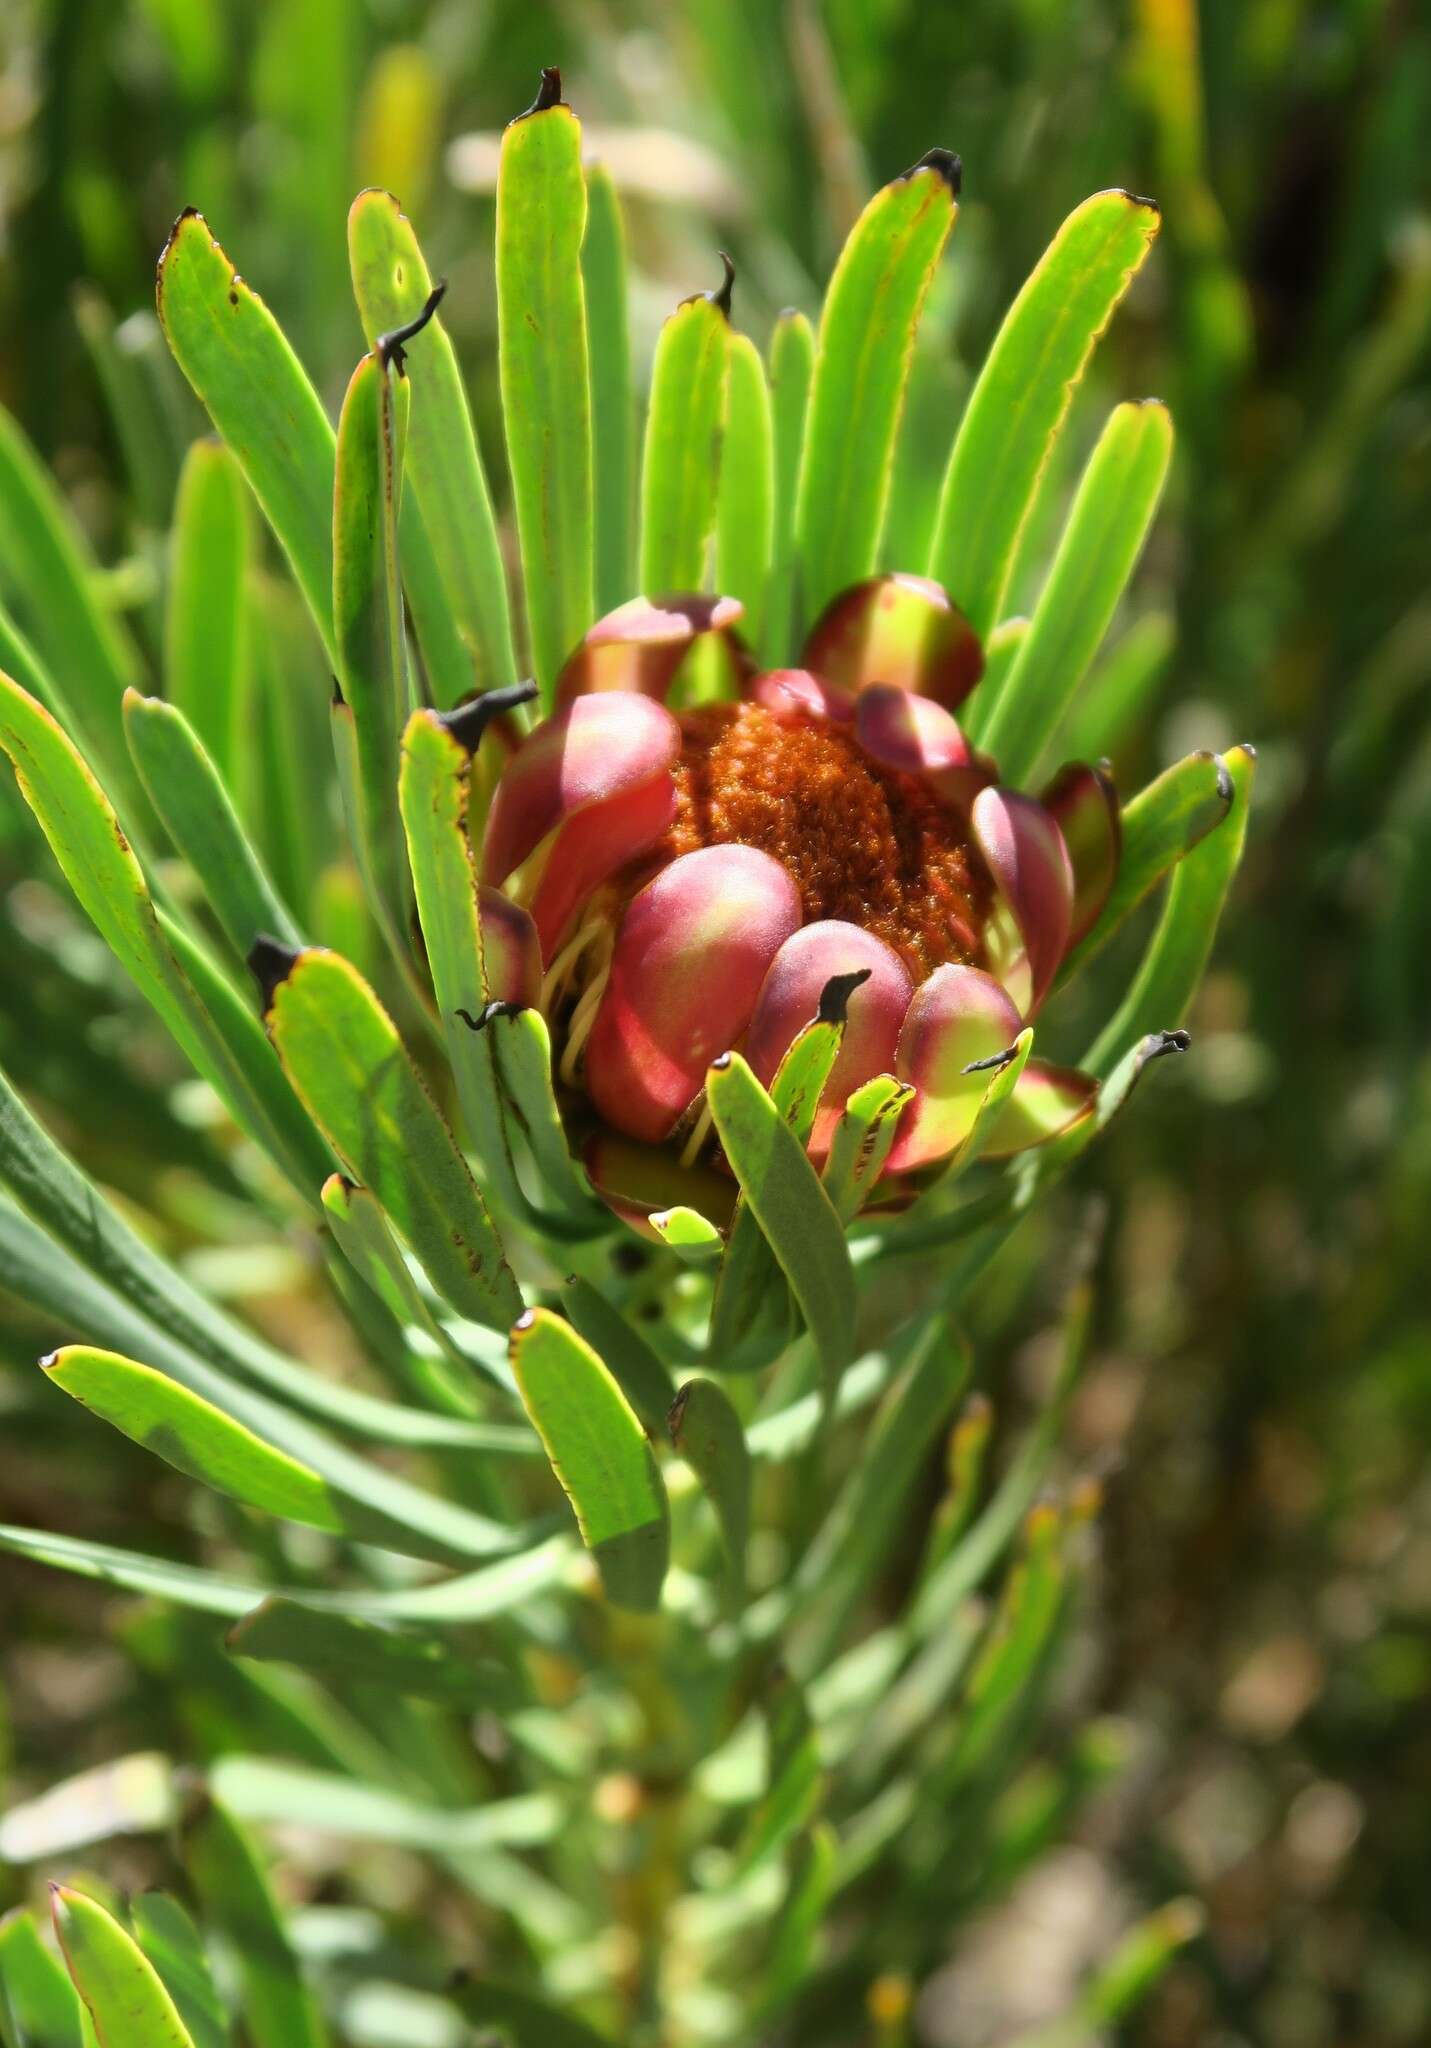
x: 100, y: 866
x: 708, y: 1434
x: 522, y: 1050
x: 693, y: 1238
x: 1023, y: 393
x: 745, y: 503
x: 1101, y: 541
x: 867, y: 329
x: 639, y: 1373
x: 48, y: 576
x: 793, y: 1935
x: 144, y: 398
x: 448, y: 516
x: 1177, y: 954
x: 794, y: 1782
x: 681, y: 456
x: 790, y: 1206
x: 1162, y: 823
x: 37, y: 1999
x: 613, y: 417
x: 275, y: 1793
x: 125, y: 1997
x: 278, y: 2009
x: 173, y: 1945
x: 192, y: 802
x: 522, y: 2018
x: 342, y: 1053
x: 792, y: 369
x: 862, y: 1142
x: 433, y: 790
x: 344, y: 1651
x: 368, y: 621
x: 546, y: 391
x: 254, y: 389
x: 1116, y: 1990
x: 1116, y: 697
x: 205, y: 620
x: 600, y: 1454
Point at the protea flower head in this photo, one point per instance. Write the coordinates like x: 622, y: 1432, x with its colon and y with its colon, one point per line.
x: 671, y: 879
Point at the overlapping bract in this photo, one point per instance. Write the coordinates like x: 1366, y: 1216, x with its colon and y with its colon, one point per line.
x: 712, y: 947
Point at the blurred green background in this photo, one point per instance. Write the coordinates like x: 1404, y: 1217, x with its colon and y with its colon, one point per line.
x: 1260, y: 1402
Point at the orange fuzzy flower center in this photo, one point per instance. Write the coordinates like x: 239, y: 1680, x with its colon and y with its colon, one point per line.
x: 862, y: 842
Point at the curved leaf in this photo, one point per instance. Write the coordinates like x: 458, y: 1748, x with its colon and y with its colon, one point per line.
x: 114, y: 1977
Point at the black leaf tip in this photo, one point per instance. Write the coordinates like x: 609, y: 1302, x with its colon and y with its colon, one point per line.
x: 337, y: 697
x: 391, y: 348
x: 468, y: 722
x: 270, y: 962
x: 992, y: 1063
x: 676, y: 1413
x: 1224, y: 781
x: 548, y: 93
x: 721, y: 1061
x: 1138, y: 199
x: 524, y: 1322
x: 486, y: 1014
x: 721, y: 296
x: 835, y: 995
x: 50, y: 1360
x: 948, y: 166
x: 1158, y: 1044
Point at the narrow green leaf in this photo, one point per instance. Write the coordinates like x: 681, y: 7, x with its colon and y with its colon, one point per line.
x: 639, y: 1373
x: 261, y: 1790
x: 546, y: 390
x: 1101, y: 541
x: 125, y: 1997
x: 433, y: 790
x: 37, y: 1998
x: 796, y: 1928
x: 522, y: 2018
x: 867, y: 328
x: 174, y: 1946
x: 862, y: 1142
x: 449, y: 516
x: 48, y: 577
x: 681, y: 455
x: 1178, y: 952
x: 144, y: 399
x: 599, y: 1453
x: 206, y: 620
x: 707, y: 1433
x: 794, y: 1782
x: 745, y: 503
x: 193, y: 804
x: 254, y: 389
x: 368, y: 623
x: 343, y: 1055
x: 194, y: 1436
x: 344, y: 1650
x: 522, y: 1050
x: 1023, y: 393
x: 792, y: 369
x: 1160, y: 825
x: 1117, y: 1989
x: 613, y: 416
x: 100, y: 866
x: 790, y: 1206
x: 1116, y: 696
x: 278, y: 2009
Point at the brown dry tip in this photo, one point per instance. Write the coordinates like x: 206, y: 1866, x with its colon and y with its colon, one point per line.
x: 468, y: 722
x: 548, y: 94
x: 948, y: 166
x: 390, y: 349
x: 270, y: 962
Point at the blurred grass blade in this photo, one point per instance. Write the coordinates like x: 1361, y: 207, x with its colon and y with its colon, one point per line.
x: 37, y: 1999
x: 143, y: 397
x: 519, y: 2016
x: 745, y: 503
x: 600, y: 1454
x: 192, y: 802
x: 546, y: 390
x: 1178, y: 951
x: 433, y: 790
x: 867, y: 328
x: 368, y: 622
x: 257, y: 1788
x: 48, y: 578
x: 1160, y: 825
x: 346, y: 1651
x: 796, y: 1927
x: 342, y: 1052
x: 1101, y: 541
x: 790, y: 1206
x: 116, y: 1980
x: 639, y: 1373
x: 794, y: 1781
x: 448, y: 517
x: 254, y: 389
x: 862, y: 1142
x: 1130, y: 1973
x: 174, y: 1946
x: 131, y: 1794
x: 792, y: 369
x: 613, y: 415
x: 1023, y: 393
x: 681, y: 455
x: 206, y: 617
x: 101, y: 868
x: 224, y: 1867
x: 707, y: 1433
x: 1116, y: 697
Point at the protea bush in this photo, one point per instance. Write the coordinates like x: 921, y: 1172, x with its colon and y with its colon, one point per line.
x: 645, y: 1065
